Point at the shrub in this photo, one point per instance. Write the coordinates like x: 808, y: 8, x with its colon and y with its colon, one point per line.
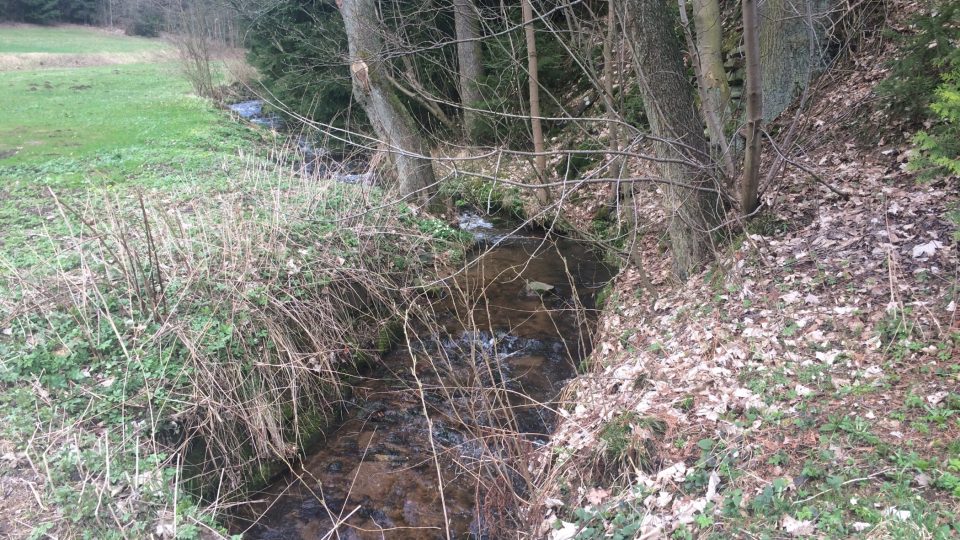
x: 938, y: 148
x: 926, y: 56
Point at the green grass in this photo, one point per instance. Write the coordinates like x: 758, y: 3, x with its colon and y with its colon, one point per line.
x: 84, y: 113
x: 133, y: 126
x: 96, y: 139
x: 70, y: 40
x: 145, y: 241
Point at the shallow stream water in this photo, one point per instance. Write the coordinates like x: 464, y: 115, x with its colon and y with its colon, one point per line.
x: 309, y: 156
x: 375, y: 475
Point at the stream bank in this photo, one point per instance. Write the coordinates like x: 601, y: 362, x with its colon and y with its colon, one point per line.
x: 505, y: 334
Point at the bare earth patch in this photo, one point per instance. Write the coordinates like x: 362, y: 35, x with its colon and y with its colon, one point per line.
x: 28, y: 61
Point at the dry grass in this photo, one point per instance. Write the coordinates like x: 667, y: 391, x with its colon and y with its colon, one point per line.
x: 216, y: 333
x: 42, y: 60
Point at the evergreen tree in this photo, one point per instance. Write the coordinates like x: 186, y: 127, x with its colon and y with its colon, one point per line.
x: 79, y: 11
x: 39, y: 11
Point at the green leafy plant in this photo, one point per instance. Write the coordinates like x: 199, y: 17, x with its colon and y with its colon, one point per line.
x: 938, y: 148
x: 928, y: 51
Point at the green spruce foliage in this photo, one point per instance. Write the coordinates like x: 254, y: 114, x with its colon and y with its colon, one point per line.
x: 938, y: 148
x: 928, y: 53
x: 924, y: 88
x: 300, y: 50
x: 49, y: 11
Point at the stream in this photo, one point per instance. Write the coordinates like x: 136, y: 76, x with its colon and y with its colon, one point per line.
x: 310, y: 159
x: 375, y: 474
x: 505, y: 336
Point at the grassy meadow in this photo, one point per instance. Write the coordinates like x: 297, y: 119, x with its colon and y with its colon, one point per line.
x: 165, y: 287
x: 80, y: 149
x: 116, y: 127
x: 71, y: 40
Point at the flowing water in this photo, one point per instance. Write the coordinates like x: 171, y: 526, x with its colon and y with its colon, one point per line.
x: 309, y: 156
x: 375, y: 476
x: 252, y: 111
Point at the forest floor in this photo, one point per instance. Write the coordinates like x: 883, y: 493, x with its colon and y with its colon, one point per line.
x: 806, y: 384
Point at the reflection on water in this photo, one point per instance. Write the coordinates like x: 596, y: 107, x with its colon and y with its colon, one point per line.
x: 375, y: 475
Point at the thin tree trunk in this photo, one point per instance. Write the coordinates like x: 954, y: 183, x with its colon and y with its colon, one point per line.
x: 715, y: 90
x: 691, y: 200
x: 706, y: 20
x: 709, y: 105
x: 541, y: 157
x: 751, y: 160
x: 616, y: 164
x: 372, y: 89
x: 469, y: 60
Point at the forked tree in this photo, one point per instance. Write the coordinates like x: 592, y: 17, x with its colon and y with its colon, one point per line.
x: 690, y: 196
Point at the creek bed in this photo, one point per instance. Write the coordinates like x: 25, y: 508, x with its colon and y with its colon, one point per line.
x: 514, y: 325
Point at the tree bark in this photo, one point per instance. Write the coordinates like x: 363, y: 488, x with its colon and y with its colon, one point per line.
x: 715, y: 90
x: 754, y: 99
x: 615, y: 169
x: 690, y: 197
x: 787, y: 52
x: 372, y: 89
x: 469, y: 60
x: 535, y: 126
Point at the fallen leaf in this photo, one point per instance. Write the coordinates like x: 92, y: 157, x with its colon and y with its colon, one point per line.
x: 796, y: 527
x: 926, y: 250
x: 596, y: 496
x: 567, y: 531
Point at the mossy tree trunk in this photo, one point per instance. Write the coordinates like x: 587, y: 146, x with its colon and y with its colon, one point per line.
x: 690, y: 196
x: 372, y: 89
x: 715, y: 89
x: 615, y: 170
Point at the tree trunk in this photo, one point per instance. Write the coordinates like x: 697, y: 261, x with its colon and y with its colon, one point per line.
x: 615, y: 170
x: 372, y: 89
x: 541, y: 157
x: 754, y: 98
x: 786, y: 46
x: 469, y: 60
x: 715, y: 90
x: 691, y: 200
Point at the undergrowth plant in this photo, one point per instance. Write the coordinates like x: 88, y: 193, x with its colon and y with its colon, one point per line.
x: 924, y: 88
x: 928, y: 51
x: 173, y: 351
x: 938, y: 148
